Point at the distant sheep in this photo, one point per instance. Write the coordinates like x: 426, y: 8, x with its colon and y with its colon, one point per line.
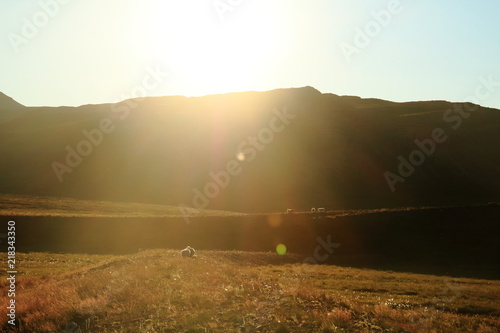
x: 188, y: 252
x: 313, y: 210
x: 289, y: 210
x: 321, y: 209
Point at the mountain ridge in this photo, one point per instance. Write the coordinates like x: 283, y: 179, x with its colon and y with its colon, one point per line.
x: 10, y: 109
x: 7, y: 102
x: 332, y: 151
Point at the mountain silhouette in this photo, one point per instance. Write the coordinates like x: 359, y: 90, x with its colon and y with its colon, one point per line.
x: 9, y: 108
x: 255, y: 151
x: 8, y: 103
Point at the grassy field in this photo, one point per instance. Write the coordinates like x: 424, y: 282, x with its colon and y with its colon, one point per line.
x: 29, y: 205
x: 232, y: 291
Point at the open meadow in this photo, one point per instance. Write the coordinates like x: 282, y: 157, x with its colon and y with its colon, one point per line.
x: 386, y: 270
x: 234, y: 291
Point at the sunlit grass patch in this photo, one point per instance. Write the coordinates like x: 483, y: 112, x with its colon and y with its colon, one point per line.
x: 16, y: 205
x: 224, y: 291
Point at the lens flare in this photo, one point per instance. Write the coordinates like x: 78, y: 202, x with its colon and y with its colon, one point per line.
x: 240, y: 156
x: 281, y: 249
x: 274, y: 220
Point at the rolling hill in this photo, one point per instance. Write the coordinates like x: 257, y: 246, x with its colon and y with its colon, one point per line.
x: 255, y: 151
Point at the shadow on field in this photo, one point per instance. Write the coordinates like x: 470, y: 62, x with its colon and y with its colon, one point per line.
x: 444, y: 241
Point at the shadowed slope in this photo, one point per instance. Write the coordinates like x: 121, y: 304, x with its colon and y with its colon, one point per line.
x: 302, y: 149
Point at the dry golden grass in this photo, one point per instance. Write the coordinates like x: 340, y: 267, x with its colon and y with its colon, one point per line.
x: 158, y: 291
x: 28, y: 205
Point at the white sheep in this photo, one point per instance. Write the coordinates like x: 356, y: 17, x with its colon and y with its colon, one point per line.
x: 188, y: 252
x: 313, y: 210
x: 321, y: 209
x: 289, y: 210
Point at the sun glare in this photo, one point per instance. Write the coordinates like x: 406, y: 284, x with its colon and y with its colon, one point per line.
x: 208, y: 54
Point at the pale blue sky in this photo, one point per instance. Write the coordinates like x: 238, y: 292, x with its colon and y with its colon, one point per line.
x: 87, y: 52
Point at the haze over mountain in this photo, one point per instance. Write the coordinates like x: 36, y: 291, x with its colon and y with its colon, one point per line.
x: 255, y: 151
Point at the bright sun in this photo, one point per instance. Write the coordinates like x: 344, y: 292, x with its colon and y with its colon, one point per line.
x: 207, y: 54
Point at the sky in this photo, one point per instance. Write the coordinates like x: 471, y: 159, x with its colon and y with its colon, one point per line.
x: 75, y: 52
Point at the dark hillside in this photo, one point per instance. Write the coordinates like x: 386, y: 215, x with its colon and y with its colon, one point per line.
x: 9, y: 108
x: 331, y: 151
